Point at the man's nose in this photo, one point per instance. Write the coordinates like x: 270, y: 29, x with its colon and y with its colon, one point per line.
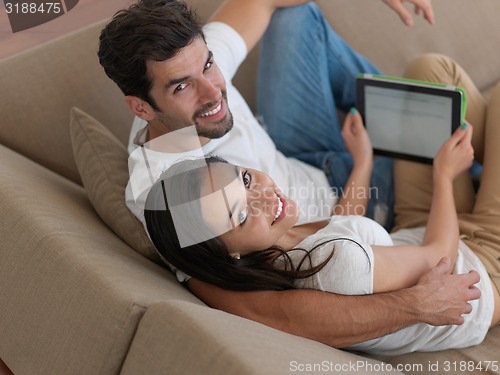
x: 208, y: 91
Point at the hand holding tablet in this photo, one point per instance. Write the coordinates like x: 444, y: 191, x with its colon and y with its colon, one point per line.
x: 409, y: 119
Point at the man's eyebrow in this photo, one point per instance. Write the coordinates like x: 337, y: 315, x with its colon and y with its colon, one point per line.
x: 176, y: 81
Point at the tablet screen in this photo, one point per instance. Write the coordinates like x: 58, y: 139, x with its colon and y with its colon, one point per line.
x: 407, y: 122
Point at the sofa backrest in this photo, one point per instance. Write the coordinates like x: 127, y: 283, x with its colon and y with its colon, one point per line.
x: 467, y: 31
x: 40, y: 86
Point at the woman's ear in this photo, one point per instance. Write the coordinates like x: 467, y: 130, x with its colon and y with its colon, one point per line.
x: 235, y: 256
x: 139, y: 107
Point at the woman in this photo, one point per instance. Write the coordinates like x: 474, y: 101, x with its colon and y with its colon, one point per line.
x: 253, y: 244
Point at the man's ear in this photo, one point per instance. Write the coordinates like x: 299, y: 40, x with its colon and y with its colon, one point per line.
x: 139, y: 107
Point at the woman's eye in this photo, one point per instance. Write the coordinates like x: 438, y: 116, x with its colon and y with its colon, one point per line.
x: 242, y: 216
x: 209, y: 65
x: 179, y: 88
x: 247, y: 179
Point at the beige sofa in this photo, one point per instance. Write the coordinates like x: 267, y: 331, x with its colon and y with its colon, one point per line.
x: 77, y: 299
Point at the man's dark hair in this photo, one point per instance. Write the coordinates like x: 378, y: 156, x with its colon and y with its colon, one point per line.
x: 151, y: 30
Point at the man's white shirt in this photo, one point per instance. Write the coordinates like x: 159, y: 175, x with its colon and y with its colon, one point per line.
x: 246, y: 145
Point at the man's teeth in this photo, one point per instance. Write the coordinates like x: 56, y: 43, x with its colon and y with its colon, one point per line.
x: 280, y: 208
x: 213, y: 111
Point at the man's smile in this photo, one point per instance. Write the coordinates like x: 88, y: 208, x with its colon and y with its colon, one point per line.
x: 213, y: 111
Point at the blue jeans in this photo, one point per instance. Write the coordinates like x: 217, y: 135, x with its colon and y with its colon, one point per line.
x: 306, y: 72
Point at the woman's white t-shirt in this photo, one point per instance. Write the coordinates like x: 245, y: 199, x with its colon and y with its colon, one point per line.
x: 350, y: 271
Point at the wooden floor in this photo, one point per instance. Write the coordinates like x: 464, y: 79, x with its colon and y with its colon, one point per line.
x: 4, y: 370
x: 84, y: 13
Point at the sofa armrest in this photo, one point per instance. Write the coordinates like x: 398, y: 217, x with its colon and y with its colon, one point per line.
x: 71, y: 292
x: 178, y: 337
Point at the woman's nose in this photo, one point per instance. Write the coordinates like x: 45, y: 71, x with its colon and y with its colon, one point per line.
x: 265, y: 195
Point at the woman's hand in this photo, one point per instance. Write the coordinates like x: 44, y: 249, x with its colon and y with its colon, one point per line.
x: 354, y: 197
x: 356, y: 139
x: 456, y: 154
x: 423, y: 6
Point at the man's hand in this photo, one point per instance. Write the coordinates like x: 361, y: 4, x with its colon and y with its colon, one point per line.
x: 442, y: 298
x: 423, y: 6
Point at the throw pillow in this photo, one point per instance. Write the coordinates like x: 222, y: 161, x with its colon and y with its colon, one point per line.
x: 103, y: 165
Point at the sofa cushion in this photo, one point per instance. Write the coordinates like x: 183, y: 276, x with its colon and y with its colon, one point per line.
x: 102, y: 162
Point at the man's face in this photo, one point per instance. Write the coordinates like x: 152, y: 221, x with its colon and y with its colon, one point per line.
x: 189, y: 89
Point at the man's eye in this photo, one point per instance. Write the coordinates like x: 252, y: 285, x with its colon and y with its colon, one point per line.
x: 179, y: 88
x: 247, y: 179
x: 242, y: 216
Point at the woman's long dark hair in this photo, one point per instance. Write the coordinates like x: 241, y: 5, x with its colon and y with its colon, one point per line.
x: 210, y: 261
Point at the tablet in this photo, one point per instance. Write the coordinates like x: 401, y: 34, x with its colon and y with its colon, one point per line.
x: 408, y: 119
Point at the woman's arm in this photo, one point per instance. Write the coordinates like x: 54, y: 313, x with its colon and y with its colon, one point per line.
x: 454, y: 157
x: 353, y: 199
x: 399, y: 267
x: 337, y: 320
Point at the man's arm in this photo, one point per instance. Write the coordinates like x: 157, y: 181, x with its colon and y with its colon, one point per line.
x: 250, y: 18
x: 337, y: 320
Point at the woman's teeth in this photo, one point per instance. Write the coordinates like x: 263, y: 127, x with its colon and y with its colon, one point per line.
x: 280, y: 208
x: 213, y: 111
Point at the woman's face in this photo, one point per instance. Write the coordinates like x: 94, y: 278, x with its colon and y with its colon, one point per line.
x: 255, y: 213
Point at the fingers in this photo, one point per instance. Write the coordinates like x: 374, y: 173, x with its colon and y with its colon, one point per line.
x: 463, y: 135
x: 444, y: 266
x: 473, y: 277
x: 346, y: 128
x: 460, y: 131
x: 402, y: 12
x: 470, y: 279
x: 353, y: 122
x: 423, y: 6
x: 426, y: 7
x: 468, y: 133
x: 474, y: 293
x: 357, y: 120
x: 464, y: 141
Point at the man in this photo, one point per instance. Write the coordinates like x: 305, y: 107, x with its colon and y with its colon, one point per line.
x: 166, y: 66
